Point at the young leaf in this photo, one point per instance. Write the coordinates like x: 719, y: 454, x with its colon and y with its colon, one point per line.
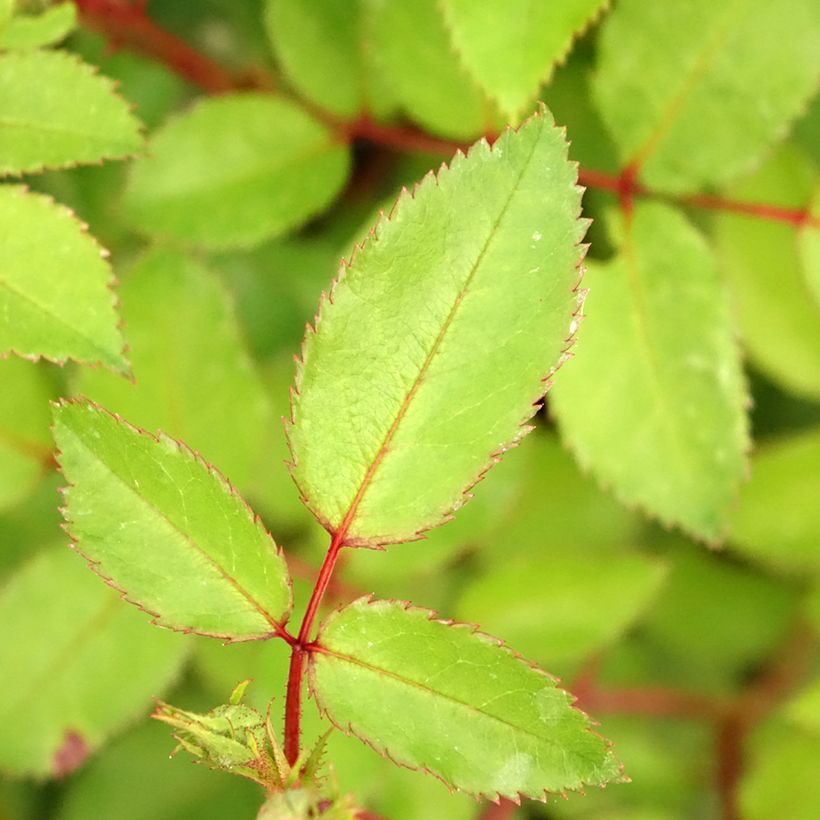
x: 694, y: 93
x: 584, y: 610
x: 653, y: 404
x: 778, y: 317
x: 55, y: 297
x: 453, y: 701
x: 192, y: 374
x: 78, y: 665
x: 166, y: 529
x: 467, y: 293
x: 26, y: 31
x: 809, y: 244
x: 785, y: 478
x: 56, y: 112
x: 413, y: 48
x: 318, y: 43
x: 235, y: 170
x: 25, y: 443
x: 511, y: 53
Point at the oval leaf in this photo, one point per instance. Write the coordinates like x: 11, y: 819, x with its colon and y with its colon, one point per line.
x: 431, y: 353
x: 453, y: 701
x: 235, y: 170
x: 78, y: 665
x: 55, y: 297
x: 55, y: 112
x: 167, y: 530
x: 653, y: 402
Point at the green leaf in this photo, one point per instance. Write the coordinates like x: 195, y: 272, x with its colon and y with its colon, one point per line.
x: 653, y: 402
x: 25, y: 442
x: 809, y: 244
x: 467, y: 293
x: 695, y: 93
x: 584, y: 610
x: 453, y: 701
x: 777, y: 518
x: 55, y: 112
x: 193, y: 375
x: 55, y: 297
x: 412, y: 48
x: 78, y: 665
x: 804, y: 709
x: 235, y: 170
x: 26, y: 31
x: 318, y: 43
x: 779, y: 318
x: 167, y: 529
x: 511, y: 53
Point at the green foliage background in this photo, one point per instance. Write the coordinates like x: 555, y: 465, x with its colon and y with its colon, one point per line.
x: 655, y: 542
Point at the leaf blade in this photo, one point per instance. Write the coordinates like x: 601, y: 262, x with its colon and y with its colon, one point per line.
x: 394, y: 407
x: 122, y: 484
x: 525, y: 739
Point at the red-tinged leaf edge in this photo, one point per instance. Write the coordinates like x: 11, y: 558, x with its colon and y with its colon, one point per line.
x: 113, y: 86
x: 184, y: 449
x: 112, y: 284
x: 326, y: 298
x: 560, y: 60
x: 474, y: 629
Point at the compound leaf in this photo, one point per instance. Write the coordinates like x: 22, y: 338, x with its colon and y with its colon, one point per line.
x: 79, y: 664
x: 653, y: 402
x: 55, y: 297
x: 467, y: 294
x: 511, y: 53
x: 453, y: 701
x: 55, y: 112
x: 178, y: 317
x: 695, y: 93
x: 235, y: 170
x: 784, y: 478
x: 778, y: 318
x: 159, y: 524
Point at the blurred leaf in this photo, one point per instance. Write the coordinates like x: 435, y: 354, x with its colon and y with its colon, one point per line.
x: 193, y: 375
x: 653, y: 401
x: 167, y: 529
x: 55, y: 297
x: 455, y: 356
x: 559, y: 610
x: 804, y: 709
x: 57, y: 112
x: 809, y: 244
x: 777, y: 519
x: 412, y: 47
x: 78, y: 665
x: 26, y: 31
x: 695, y: 93
x: 444, y: 698
x: 511, y: 53
x: 779, y: 319
x: 25, y: 441
x: 235, y: 170
x: 318, y: 43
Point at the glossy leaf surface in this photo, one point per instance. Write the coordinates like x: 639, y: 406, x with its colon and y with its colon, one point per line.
x: 695, y: 93
x: 55, y: 297
x: 511, y: 54
x: 55, y: 111
x: 467, y: 295
x: 657, y: 346
x: 445, y: 698
x: 147, y: 513
x: 78, y: 665
x: 235, y: 170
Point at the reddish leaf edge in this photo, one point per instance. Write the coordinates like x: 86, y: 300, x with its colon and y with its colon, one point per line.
x: 113, y: 87
x: 112, y: 283
x: 156, y: 618
x: 474, y: 629
x: 431, y: 178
